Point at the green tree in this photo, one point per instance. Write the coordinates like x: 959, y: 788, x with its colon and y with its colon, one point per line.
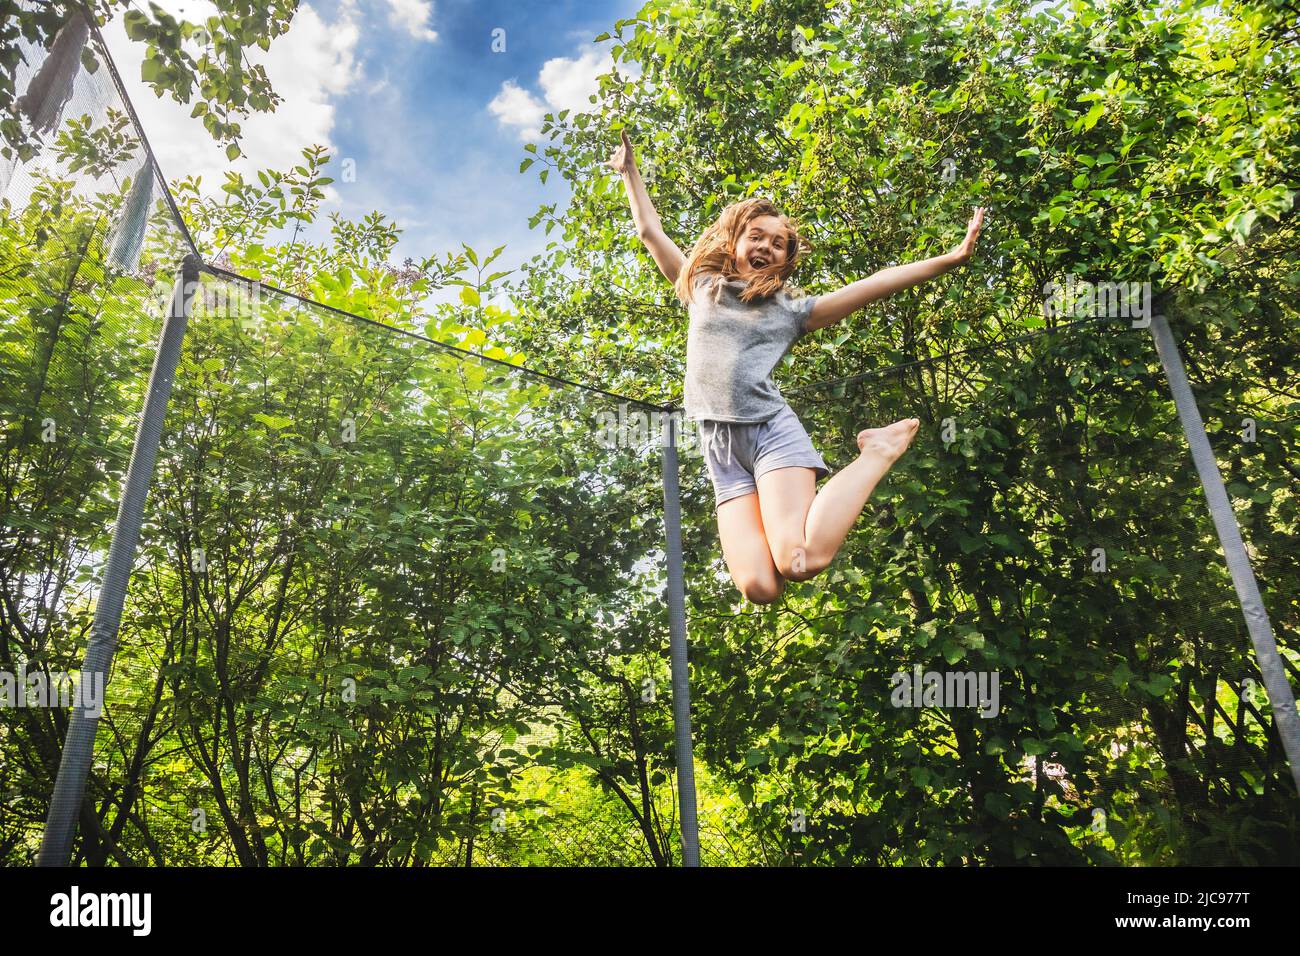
x: 1113, y: 143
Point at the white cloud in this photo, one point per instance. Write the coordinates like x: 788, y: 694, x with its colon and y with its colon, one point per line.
x: 566, y: 83
x: 515, y: 106
x: 413, y: 17
x: 310, y: 65
x: 569, y: 83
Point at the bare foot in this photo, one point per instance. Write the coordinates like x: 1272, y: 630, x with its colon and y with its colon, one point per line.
x: 889, y: 442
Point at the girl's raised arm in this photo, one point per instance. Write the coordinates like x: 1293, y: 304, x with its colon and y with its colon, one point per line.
x: 834, y: 306
x: 665, y: 252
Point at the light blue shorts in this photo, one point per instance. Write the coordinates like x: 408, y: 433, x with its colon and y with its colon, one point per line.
x: 737, y: 454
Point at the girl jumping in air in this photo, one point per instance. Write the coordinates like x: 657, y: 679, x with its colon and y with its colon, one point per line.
x: 773, y: 523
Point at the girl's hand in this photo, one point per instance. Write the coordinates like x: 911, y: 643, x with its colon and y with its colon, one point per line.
x: 967, y: 248
x: 623, y: 162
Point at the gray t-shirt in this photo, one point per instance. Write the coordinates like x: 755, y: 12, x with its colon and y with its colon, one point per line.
x: 732, y: 348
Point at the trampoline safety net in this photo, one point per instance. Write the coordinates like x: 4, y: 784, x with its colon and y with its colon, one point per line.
x: 398, y: 604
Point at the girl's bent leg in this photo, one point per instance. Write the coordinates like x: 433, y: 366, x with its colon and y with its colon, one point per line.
x: 744, y: 547
x: 805, y: 529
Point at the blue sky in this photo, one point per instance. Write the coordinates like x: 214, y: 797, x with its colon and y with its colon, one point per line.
x: 413, y: 92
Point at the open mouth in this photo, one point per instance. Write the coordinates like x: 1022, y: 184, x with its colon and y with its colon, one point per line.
x: 758, y: 262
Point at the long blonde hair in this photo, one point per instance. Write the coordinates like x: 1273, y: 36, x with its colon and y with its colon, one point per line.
x: 715, y: 252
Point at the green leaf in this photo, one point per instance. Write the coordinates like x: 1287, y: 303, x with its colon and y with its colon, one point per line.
x: 273, y: 421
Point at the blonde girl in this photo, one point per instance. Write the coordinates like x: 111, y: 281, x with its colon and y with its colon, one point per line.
x: 744, y: 317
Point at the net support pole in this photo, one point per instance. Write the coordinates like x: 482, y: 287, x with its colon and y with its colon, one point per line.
x: 685, y: 749
x: 79, y: 745
x: 1280, y: 696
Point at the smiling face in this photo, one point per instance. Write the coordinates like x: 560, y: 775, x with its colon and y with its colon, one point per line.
x: 763, y: 242
x: 752, y: 241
